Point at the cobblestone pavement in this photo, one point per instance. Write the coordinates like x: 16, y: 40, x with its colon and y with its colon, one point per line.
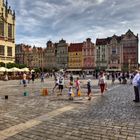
x: 112, y: 116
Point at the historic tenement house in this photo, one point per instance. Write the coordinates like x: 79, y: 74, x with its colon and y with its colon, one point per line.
x: 23, y: 54
x: 7, y: 33
x: 129, y: 50
x: 102, y: 53
x: 62, y: 54
x: 88, y: 55
x: 32, y: 57
x: 37, y: 57
x: 75, y: 57
x: 118, y: 52
x: 50, y: 55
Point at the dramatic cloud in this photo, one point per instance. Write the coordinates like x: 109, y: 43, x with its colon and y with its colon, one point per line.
x: 74, y: 20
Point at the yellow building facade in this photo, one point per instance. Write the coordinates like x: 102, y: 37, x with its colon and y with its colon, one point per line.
x: 75, y: 56
x: 7, y: 33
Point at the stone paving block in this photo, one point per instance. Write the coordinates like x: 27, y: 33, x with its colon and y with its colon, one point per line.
x: 131, y: 138
x: 102, y: 118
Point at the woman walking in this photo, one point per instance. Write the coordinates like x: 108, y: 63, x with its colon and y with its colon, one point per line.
x: 102, y: 82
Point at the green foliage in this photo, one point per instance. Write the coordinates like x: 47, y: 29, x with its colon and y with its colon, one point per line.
x: 125, y: 68
x: 37, y: 70
x: 2, y: 64
x: 11, y: 65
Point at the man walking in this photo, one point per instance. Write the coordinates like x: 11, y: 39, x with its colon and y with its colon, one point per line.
x: 136, y: 86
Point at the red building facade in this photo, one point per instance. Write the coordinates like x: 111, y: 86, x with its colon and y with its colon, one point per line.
x: 88, y: 53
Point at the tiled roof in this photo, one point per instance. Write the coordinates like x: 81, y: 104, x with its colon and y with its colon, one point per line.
x: 105, y: 41
x: 102, y: 41
x: 75, y: 47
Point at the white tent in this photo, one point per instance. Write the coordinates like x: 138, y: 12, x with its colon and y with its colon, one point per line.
x: 14, y: 69
x: 3, y: 69
x: 25, y: 69
x: 32, y: 70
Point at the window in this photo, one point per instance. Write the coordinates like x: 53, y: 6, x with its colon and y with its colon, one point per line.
x: 9, y: 51
x: 10, y: 30
x: 114, y: 51
x: 1, y: 27
x: 1, y: 50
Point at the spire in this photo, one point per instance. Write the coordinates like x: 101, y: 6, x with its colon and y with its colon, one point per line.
x: 14, y: 15
x: 6, y: 4
x: 6, y: 11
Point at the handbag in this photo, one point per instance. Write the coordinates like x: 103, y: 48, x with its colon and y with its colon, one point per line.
x: 79, y: 93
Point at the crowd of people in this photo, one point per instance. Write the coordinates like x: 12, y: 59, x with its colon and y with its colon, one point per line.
x: 74, y: 88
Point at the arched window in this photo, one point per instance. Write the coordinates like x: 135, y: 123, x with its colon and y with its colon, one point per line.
x: 1, y: 27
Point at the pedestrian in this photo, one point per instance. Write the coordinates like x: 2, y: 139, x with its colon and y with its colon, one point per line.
x: 136, y: 86
x: 42, y: 76
x: 61, y: 85
x: 70, y: 90
x: 24, y: 79
x: 77, y: 82
x: 102, y: 82
x: 131, y: 77
x: 71, y: 78
x: 56, y: 84
x: 89, y: 89
x: 33, y: 77
x: 113, y: 78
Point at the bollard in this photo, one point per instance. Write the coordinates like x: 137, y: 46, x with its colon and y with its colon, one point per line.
x: 25, y: 93
x: 44, y: 92
x: 6, y: 97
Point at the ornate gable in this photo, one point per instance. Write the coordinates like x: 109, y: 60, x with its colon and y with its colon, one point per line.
x: 129, y: 35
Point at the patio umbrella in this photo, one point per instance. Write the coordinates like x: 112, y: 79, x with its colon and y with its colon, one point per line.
x: 3, y: 69
x: 32, y: 70
x: 14, y: 69
x: 25, y: 69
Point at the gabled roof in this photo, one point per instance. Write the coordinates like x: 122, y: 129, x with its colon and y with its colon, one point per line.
x: 102, y: 41
x: 75, y: 47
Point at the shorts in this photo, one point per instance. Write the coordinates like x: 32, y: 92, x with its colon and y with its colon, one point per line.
x: 60, y: 86
x: 24, y: 82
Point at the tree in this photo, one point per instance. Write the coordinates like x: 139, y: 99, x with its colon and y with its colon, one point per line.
x: 2, y: 64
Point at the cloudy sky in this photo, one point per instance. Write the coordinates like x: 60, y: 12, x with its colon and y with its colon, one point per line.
x: 38, y: 21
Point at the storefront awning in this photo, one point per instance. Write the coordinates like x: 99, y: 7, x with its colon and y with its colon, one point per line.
x: 88, y: 69
x: 74, y: 70
x: 113, y: 69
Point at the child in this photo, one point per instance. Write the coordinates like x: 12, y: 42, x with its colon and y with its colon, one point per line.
x: 70, y: 91
x: 77, y: 82
x: 89, y: 89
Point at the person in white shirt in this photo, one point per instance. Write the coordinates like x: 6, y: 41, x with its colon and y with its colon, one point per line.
x: 136, y: 88
x: 102, y: 82
x: 61, y: 84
